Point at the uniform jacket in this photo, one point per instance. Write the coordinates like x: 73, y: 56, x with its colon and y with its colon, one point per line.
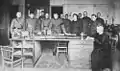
x: 56, y: 25
x: 67, y: 23
x: 16, y: 24
x: 86, y: 25
x: 38, y: 25
x: 31, y: 23
x: 93, y: 27
x: 81, y: 24
x: 46, y: 23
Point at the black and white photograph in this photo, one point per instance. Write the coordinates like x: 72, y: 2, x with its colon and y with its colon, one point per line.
x: 59, y: 35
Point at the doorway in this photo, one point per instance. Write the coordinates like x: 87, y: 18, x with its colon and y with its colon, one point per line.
x: 13, y: 11
x: 56, y: 9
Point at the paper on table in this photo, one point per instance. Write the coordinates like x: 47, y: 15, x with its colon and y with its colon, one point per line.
x: 25, y: 33
x: 89, y: 38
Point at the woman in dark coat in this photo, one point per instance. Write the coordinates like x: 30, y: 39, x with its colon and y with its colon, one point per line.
x: 76, y: 26
x: 101, y: 55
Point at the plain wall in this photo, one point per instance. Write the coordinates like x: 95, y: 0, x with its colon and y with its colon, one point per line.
x: 61, y: 2
x: 106, y: 7
x: 117, y: 12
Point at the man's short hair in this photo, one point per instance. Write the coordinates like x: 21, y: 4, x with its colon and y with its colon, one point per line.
x: 98, y: 13
x: 66, y: 14
x: 55, y: 13
x: 79, y: 13
x: 19, y: 12
x: 84, y: 11
x: 46, y: 13
x: 94, y: 15
x: 75, y: 14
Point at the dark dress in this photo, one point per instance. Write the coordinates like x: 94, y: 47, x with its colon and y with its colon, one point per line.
x: 67, y: 23
x: 86, y: 25
x: 75, y: 28
x: 101, y: 55
x: 81, y: 24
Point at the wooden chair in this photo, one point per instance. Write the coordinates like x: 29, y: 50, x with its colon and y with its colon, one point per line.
x: 9, y: 58
x: 62, y: 52
x: 28, y: 54
x: 61, y: 47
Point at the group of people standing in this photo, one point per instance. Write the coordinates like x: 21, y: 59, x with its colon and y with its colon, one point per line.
x: 58, y: 25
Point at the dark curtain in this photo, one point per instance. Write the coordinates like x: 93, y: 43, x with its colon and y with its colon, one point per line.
x: 4, y: 22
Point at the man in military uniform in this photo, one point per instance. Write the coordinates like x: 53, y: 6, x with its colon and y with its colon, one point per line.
x: 81, y: 22
x: 80, y: 16
x: 38, y: 27
x: 86, y: 23
x: 42, y: 16
x: 93, y: 24
x: 46, y: 24
x: 17, y: 24
x: 57, y: 25
x: 31, y: 24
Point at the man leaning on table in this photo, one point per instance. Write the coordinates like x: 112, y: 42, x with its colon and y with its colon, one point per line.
x: 57, y: 25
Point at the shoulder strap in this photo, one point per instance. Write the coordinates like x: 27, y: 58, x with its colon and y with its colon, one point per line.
x: 19, y: 22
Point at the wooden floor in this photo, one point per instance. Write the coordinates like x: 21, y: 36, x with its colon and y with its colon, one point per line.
x: 47, y: 57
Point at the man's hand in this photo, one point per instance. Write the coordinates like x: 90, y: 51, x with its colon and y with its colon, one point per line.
x: 67, y: 34
x: 89, y: 38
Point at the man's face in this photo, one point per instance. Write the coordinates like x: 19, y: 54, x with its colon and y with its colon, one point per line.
x: 93, y: 18
x: 42, y: 13
x: 31, y: 15
x: 98, y: 14
x: 18, y: 14
x: 46, y: 15
x: 66, y: 16
x: 85, y: 13
x: 79, y: 15
x: 56, y: 16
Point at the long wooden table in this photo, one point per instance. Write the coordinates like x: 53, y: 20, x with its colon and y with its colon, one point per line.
x: 78, y: 50
x: 56, y: 38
